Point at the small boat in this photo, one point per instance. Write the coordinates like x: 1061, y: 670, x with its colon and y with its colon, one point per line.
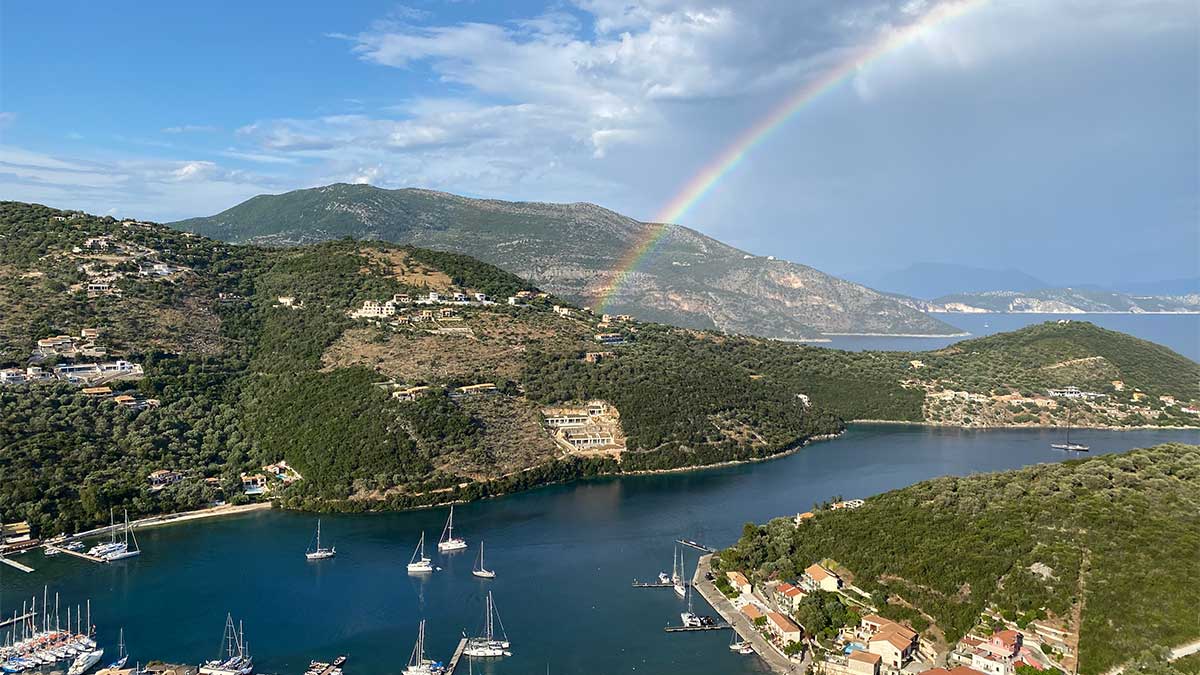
x: 76, y: 546
x: 340, y: 661
x: 419, y: 564
x: 123, y: 550
x: 488, y: 644
x: 740, y: 646
x: 320, y: 553
x: 1068, y: 445
x: 122, y: 657
x: 481, y: 571
x: 690, y: 618
x: 448, y: 542
x: 417, y: 663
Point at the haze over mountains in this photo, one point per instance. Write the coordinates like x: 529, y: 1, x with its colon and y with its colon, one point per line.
x: 580, y: 251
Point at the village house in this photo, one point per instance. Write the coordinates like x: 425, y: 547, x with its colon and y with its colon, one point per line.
x: 96, y: 392
x: 90, y: 333
x: 460, y: 297
x: 562, y: 311
x: 282, y: 471
x: 1072, y: 393
x: 157, y: 269
x: 783, y: 627
x: 481, y: 297
x: 998, y: 654
x: 95, y: 288
x: 863, y: 663
x: 582, y: 438
x: 739, y: 581
x: 752, y: 612
x: 482, y: 389
x: 894, y: 643
x: 801, y: 517
x: 957, y: 670
x: 162, y: 478
x: 610, y: 338
x: 16, y: 533
x: 596, y: 357
x: 288, y: 301
x: 254, y: 484
x: 12, y: 376
x: 817, y: 576
x: 446, y: 312
x: 402, y: 299
x: 372, y: 309
x: 848, y: 504
x: 409, y: 394
x: 434, y: 296
x: 788, y: 596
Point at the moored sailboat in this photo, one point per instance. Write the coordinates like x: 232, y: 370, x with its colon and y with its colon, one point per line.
x: 1068, y: 445
x: 320, y: 553
x: 489, y: 644
x: 123, y: 549
x: 235, y: 658
x: 677, y: 574
x: 417, y: 663
x: 481, y: 571
x: 419, y: 564
x: 449, y: 543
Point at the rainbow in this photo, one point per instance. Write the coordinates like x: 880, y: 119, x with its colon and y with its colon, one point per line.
x: 732, y: 155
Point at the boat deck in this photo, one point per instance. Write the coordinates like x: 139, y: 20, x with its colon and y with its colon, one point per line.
x: 15, y: 565
x: 458, y: 654
x: 692, y: 629
x: 654, y: 584
x: 78, y: 554
x: 17, y: 619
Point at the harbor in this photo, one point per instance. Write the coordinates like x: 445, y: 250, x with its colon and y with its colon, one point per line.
x: 570, y: 549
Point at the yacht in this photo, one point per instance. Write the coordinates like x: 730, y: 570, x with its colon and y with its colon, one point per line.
x: 320, y: 553
x: 419, y: 564
x: 736, y: 644
x: 123, y: 549
x: 690, y: 619
x: 488, y: 644
x: 417, y: 663
x: 677, y: 581
x: 448, y: 542
x: 123, y: 658
x: 235, y: 658
x: 85, y: 662
x: 481, y: 571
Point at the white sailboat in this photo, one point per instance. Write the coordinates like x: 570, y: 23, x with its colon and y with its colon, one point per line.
x: 123, y: 549
x: 481, y: 571
x: 320, y: 553
x: 689, y: 618
x: 122, y: 657
x: 737, y: 644
x: 677, y: 574
x: 419, y: 564
x: 448, y: 542
x: 417, y: 663
x: 1074, y: 447
x: 235, y: 658
x: 488, y: 644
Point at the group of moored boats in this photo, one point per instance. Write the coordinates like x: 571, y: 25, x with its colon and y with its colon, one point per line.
x: 39, y: 640
x: 116, y: 548
x: 447, y: 543
x: 322, y: 668
x: 677, y: 581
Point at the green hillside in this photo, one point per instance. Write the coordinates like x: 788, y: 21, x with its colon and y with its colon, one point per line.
x: 1124, y: 528
x: 576, y: 251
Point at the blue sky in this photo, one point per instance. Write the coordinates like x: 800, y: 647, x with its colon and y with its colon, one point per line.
x: 1054, y: 136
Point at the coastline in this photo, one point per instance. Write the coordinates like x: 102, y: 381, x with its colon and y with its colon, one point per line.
x: 902, y: 335
x: 1109, y: 311
x: 172, y: 518
x: 1143, y: 427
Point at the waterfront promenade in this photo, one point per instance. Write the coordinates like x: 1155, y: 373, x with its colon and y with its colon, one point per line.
x: 765, y: 650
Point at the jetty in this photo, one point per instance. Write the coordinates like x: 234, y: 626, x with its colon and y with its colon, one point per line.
x: 77, y: 554
x: 655, y: 584
x: 690, y: 629
x: 696, y: 545
x: 17, y: 619
x: 15, y: 565
x: 458, y: 653
x: 769, y: 653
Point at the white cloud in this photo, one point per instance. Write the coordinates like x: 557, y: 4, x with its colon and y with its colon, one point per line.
x: 190, y: 129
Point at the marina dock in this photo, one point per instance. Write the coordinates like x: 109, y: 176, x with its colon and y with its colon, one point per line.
x: 696, y: 545
x: 16, y: 619
x: 691, y: 629
x: 458, y: 653
x: 77, y: 554
x: 654, y: 584
x: 15, y: 565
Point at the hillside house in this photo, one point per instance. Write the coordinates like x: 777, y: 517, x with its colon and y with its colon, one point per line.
x: 254, y: 484
x: 481, y: 297
x: 460, y: 297
x: 752, y: 612
x: 434, y: 296
x: 482, y: 389
x: 596, y: 357
x: 16, y: 533
x: 817, y: 576
x: 446, y: 312
x: 409, y: 394
x: 863, y: 663
x: 848, y: 504
x: 288, y: 301
x: 402, y: 299
x: 739, y: 581
x: 372, y: 309
x: 789, y: 596
x: 783, y: 627
x: 562, y: 311
x: 583, y: 438
x: 998, y: 654
x: 894, y: 643
x: 96, y: 392
x: 162, y: 478
x: 610, y: 338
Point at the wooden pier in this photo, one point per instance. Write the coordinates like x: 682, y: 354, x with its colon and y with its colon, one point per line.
x: 77, y: 554
x: 16, y: 619
x: 693, y: 629
x: 15, y: 565
x: 458, y: 653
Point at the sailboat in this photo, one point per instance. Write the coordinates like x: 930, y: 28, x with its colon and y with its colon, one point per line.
x: 449, y: 542
x: 481, y: 571
x: 1074, y: 447
x: 417, y: 663
x: 487, y: 645
x: 677, y: 568
x: 123, y: 549
x: 690, y: 619
x: 102, y: 550
x: 235, y: 658
x: 419, y: 563
x: 737, y: 644
x: 123, y: 658
x: 320, y: 553
x: 89, y: 654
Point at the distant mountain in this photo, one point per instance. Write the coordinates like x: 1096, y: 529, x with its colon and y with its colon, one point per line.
x: 930, y: 280
x: 1185, y: 286
x: 577, y: 251
x: 1057, y: 301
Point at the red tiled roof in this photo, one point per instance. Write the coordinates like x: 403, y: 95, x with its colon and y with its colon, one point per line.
x: 865, y: 657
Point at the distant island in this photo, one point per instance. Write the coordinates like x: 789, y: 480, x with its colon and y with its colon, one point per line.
x: 587, y: 255
x: 1057, y: 301
x: 156, y: 370
x: 1079, y: 566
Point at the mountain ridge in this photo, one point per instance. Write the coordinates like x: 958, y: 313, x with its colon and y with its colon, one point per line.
x: 577, y: 250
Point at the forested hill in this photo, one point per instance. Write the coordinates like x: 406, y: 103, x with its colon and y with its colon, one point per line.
x: 1114, y: 537
x: 250, y: 355
x: 576, y: 251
